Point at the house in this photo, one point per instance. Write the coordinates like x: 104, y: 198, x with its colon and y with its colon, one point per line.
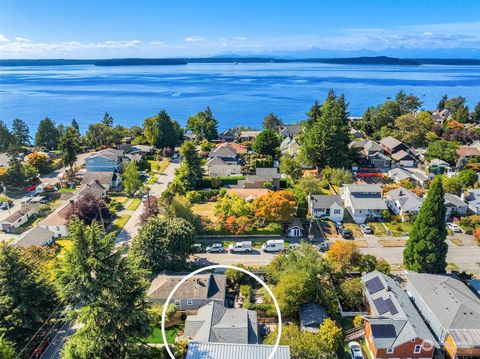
x: 214, y: 323
x: 37, y: 236
x: 404, y: 158
x: 108, y: 160
x: 372, y: 152
x: 249, y: 135
x: 16, y: 219
x: 4, y: 160
x: 289, y: 146
x: 438, y: 166
x: 379, y: 160
x: 57, y: 221
x: 455, y: 206
x: 223, y: 170
x: 450, y: 309
x: 229, y: 135
x: 312, y: 316
x: 363, y: 201
x: 468, y: 152
x: 226, y: 153
x: 472, y: 197
x: 356, y: 134
x: 403, y: 203
x: 241, y: 150
x: 418, y: 178
x: 248, y: 194
x: 194, y: 293
x: 261, y: 177
x: 371, y: 147
x: 325, y: 206
x: 142, y: 150
x: 290, y: 130
x: 391, y: 145
x: 198, y: 350
x: 106, y: 179
x: 394, y: 328
x: 295, y: 228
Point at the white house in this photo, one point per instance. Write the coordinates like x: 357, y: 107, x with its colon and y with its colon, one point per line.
x: 404, y: 158
x: 402, y: 202
x: 363, y: 201
x: 108, y: 160
x: 417, y: 177
x: 289, y: 146
x: 325, y: 206
x: 295, y: 228
x: 455, y: 205
x: 472, y: 197
x: 18, y: 218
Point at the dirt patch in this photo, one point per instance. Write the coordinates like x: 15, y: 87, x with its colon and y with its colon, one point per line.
x: 393, y: 242
x: 456, y: 241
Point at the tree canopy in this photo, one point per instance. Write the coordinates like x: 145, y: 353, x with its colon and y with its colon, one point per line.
x: 21, y: 132
x: 267, y: 142
x: 190, y: 173
x: 272, y: 122
x: 279, y: 206
x: 161, y: 131
x: 131, y: 178
x: 47, y: 134
x: 70, y: 145
x: 203, y: 125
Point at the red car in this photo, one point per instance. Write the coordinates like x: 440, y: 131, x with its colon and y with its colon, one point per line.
x: 40, y: 349
x: 30, y: 188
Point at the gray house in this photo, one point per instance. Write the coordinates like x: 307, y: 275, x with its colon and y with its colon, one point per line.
x: 109, y: 160
x: 455, y: 205
x: 325, y: 206
x: 403, y: 202
x: 261, y: 176
x: 451, y: 310
x: 196, y: 292
x: 216, y: 324
x: 226, y: 153
x: 363, y: 201
x: 198, y: 350
x: 37, y: 236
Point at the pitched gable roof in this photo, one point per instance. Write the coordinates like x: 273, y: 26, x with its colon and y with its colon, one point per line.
x: 37, y: 236
x: 407, y: 200
x: 325, y: 201
x: 390, y: 142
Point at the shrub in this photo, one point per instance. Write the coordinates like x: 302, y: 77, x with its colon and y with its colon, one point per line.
x: 358, y: 321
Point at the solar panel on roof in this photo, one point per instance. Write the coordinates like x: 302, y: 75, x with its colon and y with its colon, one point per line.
x: 391, y: 307
x: 374, y: 285
x: 380, y: 305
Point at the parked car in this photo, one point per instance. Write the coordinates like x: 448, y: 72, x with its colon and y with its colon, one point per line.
x: 345, y: 233
x: 26, y: 199
x: 30, y: 188
x: 6, y: 205
x: 338, y: 225
x: 294, y: 246
x: 323, y: 246
x: 274, y: 245
x: 454, y: 227
x: 366, y: 229
x: 355, y: 350
x: 245, y: 246
x: 197, y: 248
x: 215, y: 247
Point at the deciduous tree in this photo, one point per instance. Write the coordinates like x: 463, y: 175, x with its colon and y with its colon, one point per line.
x: 426, y: 249
x: 444, y: 150
x: 291, y: 167
x: 330, y: 335
x: 40, y: 161
x: 131, y: 178
x: 277, y: 206
x: 203, y: 125
x: 343, y: 256
x: 468, y: 177
x: 88, y: 208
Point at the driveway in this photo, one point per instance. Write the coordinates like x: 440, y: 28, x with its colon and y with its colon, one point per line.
x: 130, y: 229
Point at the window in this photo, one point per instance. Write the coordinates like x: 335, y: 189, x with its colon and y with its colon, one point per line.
x: 177, y: 302
x: 189, y: 302
x: 336, y: 211
x: 390, y: 351
x: 418, y: 349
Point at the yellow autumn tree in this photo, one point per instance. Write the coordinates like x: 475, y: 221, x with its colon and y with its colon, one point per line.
x: 278, y: 206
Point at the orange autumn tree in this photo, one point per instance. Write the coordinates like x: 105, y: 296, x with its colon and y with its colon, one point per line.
x: 40, y: 161
x: 278, y: 206
x: 237, y: 225
x: 343, y: 255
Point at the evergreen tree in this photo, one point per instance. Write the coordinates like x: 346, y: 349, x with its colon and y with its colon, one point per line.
x: 267, y: 142
x: 314, y: 114
x: 326, y: 142
x: 426, y: 250
x: 163, y: 243
x: 441, y: 103
x: 272, y: 122
x: 26, y: 300
x: 131, y: 178
x: 21, y: 132
x: 47, y: 134
x: 70, y: 145
x: 203, y: 125
x: 475, y: 115
x: 112, y: 291
x: 6, y: 137
x: 75, y: 125
x: 161, y: 131
x: 190, y: 173
x: 107, y: 120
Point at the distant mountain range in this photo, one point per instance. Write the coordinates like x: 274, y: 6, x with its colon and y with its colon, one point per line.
x: 361, y: 60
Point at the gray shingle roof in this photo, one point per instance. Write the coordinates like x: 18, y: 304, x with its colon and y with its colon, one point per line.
x: 324, y: 201
x: 395, y: 319
x: 390, y: 142
x: 223, y: 151
x: 215, y: 323
x: 407, y: 200
x: 362, y: 188
x: 402, y: 156
x: 198, y: 350
x: 453, y: 304
x: 37, y: 236
x: 455, y: 200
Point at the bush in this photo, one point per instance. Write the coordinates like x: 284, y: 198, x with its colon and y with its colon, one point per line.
x: 44, y: 207
x: 358, y: 321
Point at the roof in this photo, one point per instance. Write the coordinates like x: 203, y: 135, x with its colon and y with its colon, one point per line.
x: 248, y: 194
x: 110, y: 153
x: 408, y: 200
x: 200, y: 286
x: 292, y: 130
x: 455, y: 200
x: 372, y: 146
x: 402, y: 155
x: 249, y: 133
x: 93, y: 187
x: 58, y: 217
x: 395, y: 320
x: 264, y: 174
x: 312, y: 316
x: 390, y: 142
x: 379, y: 155
x: 468, y: 151
x: 15, y: 216
x: 325, y: 201
x: 404, y: 173
x: 362, y: 188
x: 215, y: 161
x: 358, y: 144
x: 224, y: 170
x: 439, y: 162
x: 236, y: 146
x: 4, y: 159
x: 223, y: 151
x: 215, y: 323
x: 198, y: 350
x: 105, y: 178
x: 453, y: 304
x: 141, y: 148
x: 37, y: 236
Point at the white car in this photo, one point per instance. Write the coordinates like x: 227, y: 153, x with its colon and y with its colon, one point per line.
x: 366, y: 229
x: 240, y: 247
x: 454, y: 227
x: 323, y: 246
x: 215, y: 247
x: 355, y: 350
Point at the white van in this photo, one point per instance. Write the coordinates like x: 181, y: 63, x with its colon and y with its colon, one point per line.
x: 273, y: 245
x: 240, y: 247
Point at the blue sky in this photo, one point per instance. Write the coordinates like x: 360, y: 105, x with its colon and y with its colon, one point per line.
x: 158, y: 28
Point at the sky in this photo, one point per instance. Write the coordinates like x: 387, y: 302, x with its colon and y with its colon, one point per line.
x: 158, y: 28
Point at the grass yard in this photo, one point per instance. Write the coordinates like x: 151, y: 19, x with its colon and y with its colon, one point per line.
x: 399, y: 228
x: 119, y: 223
x: 66, y: 190
x: 134, y: 204
x: 119, y: 199
x: 328, y: 228
x: 393, y: 242
x: 163, y: 166
x: 171, y: 333
x: 205, y: 210
x: 152, y: 180
x: 378, y: 229
x: 354, y: 228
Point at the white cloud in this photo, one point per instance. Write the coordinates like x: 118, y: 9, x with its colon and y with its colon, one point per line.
x: 194, y: 39
x: 240, y: 38
x: 3, y: 38
x: 22, y: 39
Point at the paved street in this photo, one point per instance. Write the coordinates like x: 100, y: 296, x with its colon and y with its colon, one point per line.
x: 58, y: 335
x: 131, y: 227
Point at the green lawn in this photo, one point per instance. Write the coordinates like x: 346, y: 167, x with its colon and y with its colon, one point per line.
x: 134, y: 204
x: 163, y: 166
x: 152, y: 180
x: 171, y: 333
x: 66, y: 190
x: 378, y: 229
x: 355, y: 228
x: 119, y: 223
x: 399, y: 228
x: 119, y: 199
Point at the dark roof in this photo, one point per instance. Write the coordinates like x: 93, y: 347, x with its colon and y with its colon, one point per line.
x: 105, y: 178
x: 37, y: 236
x: 15, y: 216
x: 312, y: 316
x: 390, y: 142
x: 325, y: 201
